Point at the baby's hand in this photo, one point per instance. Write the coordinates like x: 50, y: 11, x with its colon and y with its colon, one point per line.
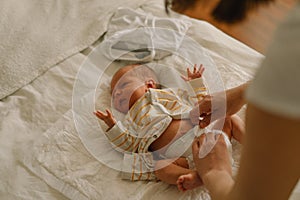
x: 197, y: 73
x: 107, y: 117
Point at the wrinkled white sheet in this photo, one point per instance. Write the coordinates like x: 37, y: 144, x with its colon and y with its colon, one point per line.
x: 121, y: 37
x: 60, y: 158
x: 55, y: 162
x: 25, y: 115
x: 35, y: 35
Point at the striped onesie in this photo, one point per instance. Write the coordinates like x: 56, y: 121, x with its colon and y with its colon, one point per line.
x: 146, y: 120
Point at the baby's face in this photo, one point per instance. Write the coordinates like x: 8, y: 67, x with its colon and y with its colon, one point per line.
x: 126, y: 90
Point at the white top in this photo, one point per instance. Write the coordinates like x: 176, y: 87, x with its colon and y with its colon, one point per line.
x: 276, y: 87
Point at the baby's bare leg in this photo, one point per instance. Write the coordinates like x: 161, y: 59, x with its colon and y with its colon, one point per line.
x: 177, y: 173
x: 233, y: 127
x: 238, y: 128
x: 168, y: 171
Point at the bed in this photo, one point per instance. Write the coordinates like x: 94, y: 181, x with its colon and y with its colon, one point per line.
x: 49, y: 55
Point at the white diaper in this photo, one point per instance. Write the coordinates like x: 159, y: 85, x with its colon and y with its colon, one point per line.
x: 182, y: 147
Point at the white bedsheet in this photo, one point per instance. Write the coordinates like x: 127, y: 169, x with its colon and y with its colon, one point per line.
x: 35, y: 35
x: 25, y: 115
x: 41, y: 154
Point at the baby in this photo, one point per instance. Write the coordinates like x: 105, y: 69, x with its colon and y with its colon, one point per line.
x: 156, y: 118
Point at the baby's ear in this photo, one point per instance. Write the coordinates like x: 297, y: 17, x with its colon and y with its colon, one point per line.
x: 150, y: 83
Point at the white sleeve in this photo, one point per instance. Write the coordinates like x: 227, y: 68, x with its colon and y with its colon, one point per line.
x: 196, y: 83
x: 138, y: 166
x: 198, y: 87
x: 121, y: 138
x: 275, y: 87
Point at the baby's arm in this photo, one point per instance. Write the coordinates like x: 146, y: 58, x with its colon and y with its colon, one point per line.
x: 196, y: 73
x: 120, y: 137
x: 108, y: 118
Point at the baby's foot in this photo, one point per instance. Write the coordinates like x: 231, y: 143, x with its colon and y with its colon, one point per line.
x: 189, y: 181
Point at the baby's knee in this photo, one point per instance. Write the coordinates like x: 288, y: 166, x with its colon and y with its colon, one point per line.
x: 161, y: 166
x: 182, y: 162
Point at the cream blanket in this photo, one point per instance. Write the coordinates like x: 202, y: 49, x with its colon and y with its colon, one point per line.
x: 36, y: 35
x: 71, y: 166
x: 41, y: 154
x: 55, y: 165
x: 62, y: 161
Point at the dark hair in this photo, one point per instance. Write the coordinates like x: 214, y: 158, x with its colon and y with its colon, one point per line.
x: 179, y: 5
x: 228, y: 11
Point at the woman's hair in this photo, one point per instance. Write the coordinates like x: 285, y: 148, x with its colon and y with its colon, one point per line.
x: 228, y: 11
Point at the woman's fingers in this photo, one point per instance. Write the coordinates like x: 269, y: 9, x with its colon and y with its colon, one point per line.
x: 205, y: 120
x: 198, y: 141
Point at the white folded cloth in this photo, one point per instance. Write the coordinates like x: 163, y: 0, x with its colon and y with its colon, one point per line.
x: 138, y: 36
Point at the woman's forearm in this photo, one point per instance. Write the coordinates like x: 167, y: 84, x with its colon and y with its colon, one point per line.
x: 236, y: 98
x: 219, y: 183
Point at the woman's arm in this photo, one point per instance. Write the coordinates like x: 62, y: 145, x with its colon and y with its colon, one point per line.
x: 234, y: 101
x: 235, y: 98
x: 215, y: 168
x: 270, y: 164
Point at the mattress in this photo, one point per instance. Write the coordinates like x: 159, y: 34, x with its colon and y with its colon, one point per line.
x: 43, y: 152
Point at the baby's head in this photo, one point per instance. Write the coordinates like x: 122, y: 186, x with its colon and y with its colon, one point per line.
x: 129, y: 84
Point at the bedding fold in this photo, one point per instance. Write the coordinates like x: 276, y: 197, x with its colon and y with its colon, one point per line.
x: 35, y: 35
x: 37, y: 128
x: 61, y: 160
x: 157, y: 37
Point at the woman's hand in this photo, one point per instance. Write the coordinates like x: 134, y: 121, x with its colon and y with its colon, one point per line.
x: 215, y: 167
x: 216, y: 159
x: 218, y: 105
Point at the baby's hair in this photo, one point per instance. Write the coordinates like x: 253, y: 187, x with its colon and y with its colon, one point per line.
x: 143, y: 72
